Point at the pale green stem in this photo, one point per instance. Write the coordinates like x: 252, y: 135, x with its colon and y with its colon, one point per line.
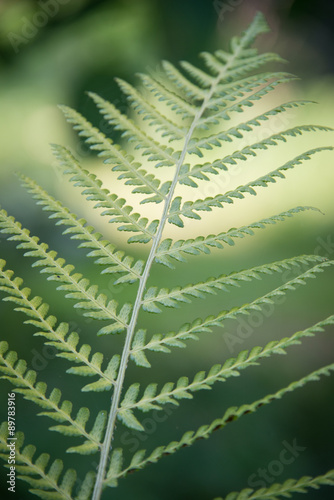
x: 106, y: 447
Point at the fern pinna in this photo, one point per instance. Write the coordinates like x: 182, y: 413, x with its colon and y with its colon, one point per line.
x: 198, y: 105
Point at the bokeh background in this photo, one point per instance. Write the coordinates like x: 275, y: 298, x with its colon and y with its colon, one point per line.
x: 82, y: 45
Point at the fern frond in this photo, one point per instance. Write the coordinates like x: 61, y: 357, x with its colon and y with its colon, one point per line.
x: 190, y: 331
x: 171, y: 392
x: 120, y: 160
x: 239, y: 50
x: 115, y: 206
x: 201, y: 77
x: 237, y: 99
x: 258, y: 26
x: 238, y: 131
x: 286, y: 489
x: 107, y: 255
x: 226, y: 112
x: 171, y: 298
x: 189, y: 208
x: 195, y: 101
x: 250, y: 62
x: 203, y: 244
x: 233, y: 69
x: 182, y: 83
x: 150, y: 112
x: 160, y: 91
x: 140, y: 458
x: 42, y: 477
x: 58, y: 336
x: 231, y: 92
x: 199, y: 171
x: 233, y: 89
x: 166, y: 156
x: 16, y: 371
x: 240, y: 55
x: 77, y: 287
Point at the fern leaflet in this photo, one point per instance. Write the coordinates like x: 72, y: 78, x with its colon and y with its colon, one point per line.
x: 139, y: 460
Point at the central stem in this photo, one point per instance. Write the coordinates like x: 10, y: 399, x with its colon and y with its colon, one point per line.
x: 106, y: 446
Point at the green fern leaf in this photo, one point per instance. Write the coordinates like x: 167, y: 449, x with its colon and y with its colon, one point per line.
x: 121, y: 161
x: 44, y: 479
x: 107, y: 254
x: 190, y: 208
x: 25, y: 381
x: 175, y: 250
x: 182, y: 83
x: 238, y: 131
x: 140, y: 459
x: 171, y: 298
x: 155, y: 152
x: 190, y: 331
x: 250, y: 62
x: 129, y: 420
x: 76, y: 286
x: 115, y: 206
x: 286, y: 489
x: 239, y: 106
x: 176, y: 103
x: 171, y: 392
x: 58, y: 336
x: 200, y: 171
x: 149, y: 112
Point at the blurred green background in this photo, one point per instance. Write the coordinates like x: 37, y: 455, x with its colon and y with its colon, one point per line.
x: 54, y: 58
